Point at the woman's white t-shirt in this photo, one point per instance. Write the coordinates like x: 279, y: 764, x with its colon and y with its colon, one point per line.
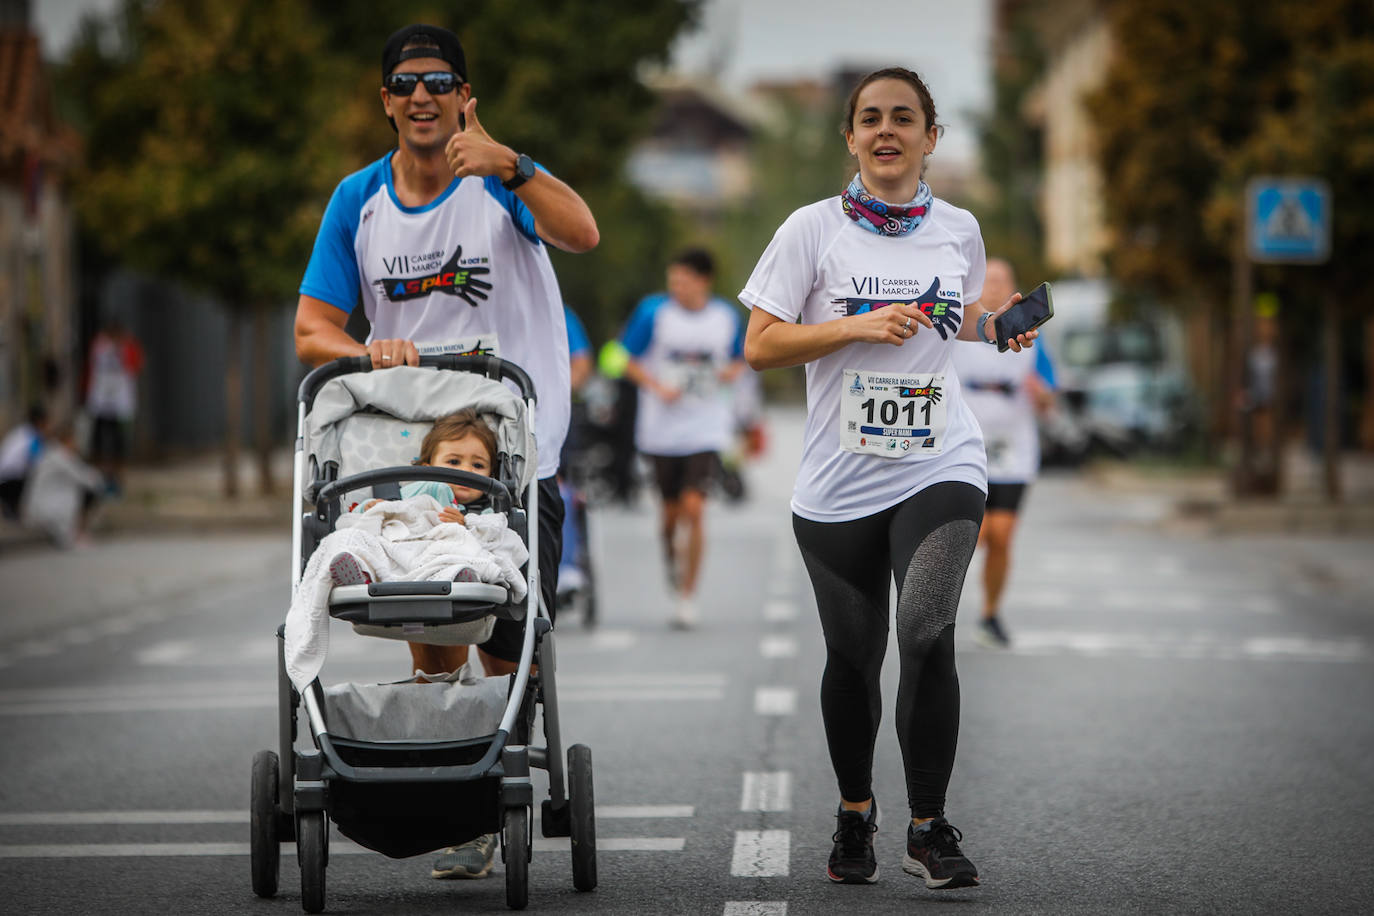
x: 821, y: 266
x: 997, y: 389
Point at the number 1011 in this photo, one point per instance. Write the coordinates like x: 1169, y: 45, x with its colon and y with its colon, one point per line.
x: 889, y: 410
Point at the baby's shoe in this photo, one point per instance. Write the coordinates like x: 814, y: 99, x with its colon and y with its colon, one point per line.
x: 345, y: 569
x: 467, y: 574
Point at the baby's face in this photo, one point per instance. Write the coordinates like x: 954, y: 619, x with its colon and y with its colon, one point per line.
x: 465, y: 454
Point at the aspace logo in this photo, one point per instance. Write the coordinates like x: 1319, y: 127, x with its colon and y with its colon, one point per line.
x: 944, y: 311
x: 452, y: 279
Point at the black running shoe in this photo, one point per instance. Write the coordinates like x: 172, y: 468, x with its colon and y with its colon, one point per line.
x: 852, y: 860
x: 991, y: 634
x: 932, y: 852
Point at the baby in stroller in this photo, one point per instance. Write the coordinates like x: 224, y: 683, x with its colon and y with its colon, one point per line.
x: 464, y: 442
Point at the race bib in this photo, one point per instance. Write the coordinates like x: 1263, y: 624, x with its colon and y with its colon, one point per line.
x: 892, y: 415
x: 694, y: 380
x: 1001, y: 456
x: 482, y: 345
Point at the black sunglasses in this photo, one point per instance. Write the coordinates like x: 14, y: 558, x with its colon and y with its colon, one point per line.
x: 440, y: 82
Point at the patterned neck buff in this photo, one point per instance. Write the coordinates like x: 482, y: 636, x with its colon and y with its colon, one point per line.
x: 884, y: 218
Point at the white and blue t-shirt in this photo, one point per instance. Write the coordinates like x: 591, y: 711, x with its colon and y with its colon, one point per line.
x: 465, y: 273
x: 821, y: 266
x: 997, y: 387
x: 687, y: 349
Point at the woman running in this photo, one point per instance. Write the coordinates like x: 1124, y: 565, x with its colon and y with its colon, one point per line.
x: 869, y: 291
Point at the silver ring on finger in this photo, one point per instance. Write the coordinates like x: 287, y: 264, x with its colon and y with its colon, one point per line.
x: 386, y: 359
x: 907, y: 326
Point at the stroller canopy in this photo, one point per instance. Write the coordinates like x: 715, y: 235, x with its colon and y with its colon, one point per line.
x: 367, y: 420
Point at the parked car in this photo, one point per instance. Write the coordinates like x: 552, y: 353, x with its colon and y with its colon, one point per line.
x: 1120, y: 393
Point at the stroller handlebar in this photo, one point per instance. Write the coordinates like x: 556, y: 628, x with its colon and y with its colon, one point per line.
x: 491, y: 366
x: 502, y: 500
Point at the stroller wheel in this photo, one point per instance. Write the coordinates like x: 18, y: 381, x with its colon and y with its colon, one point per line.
x: 583, y: 817
x: 266, y: 841
x: 310, y: 849
x: 515, y: 852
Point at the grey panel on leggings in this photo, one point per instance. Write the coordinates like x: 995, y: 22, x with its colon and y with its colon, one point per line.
x: 936, y: 570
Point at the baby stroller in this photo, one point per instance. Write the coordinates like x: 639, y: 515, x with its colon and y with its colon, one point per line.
x: 409, y: 768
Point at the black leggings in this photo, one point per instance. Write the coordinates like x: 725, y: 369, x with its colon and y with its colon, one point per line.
x: 926, y: 542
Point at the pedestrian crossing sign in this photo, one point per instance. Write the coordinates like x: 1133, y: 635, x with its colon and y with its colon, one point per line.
x: 1288, y: 220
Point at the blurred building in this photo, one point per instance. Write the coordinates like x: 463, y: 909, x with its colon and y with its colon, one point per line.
x: 39, y: 336
x: 1071, y: 200
x: 696, y: 157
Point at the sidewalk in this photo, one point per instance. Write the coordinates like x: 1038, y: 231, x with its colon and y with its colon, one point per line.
x: 1202, y: 498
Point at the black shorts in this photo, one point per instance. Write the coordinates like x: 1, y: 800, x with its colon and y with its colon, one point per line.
x: 1005, y: 497
x: 107, y: 439
x: 675, y: 473
x: 509, y: 635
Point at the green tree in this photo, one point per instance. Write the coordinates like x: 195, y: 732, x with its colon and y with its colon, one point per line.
x: 1201, y: 96
x: 218, y: 128
x: 1012, y: 159
x: 206, y: 159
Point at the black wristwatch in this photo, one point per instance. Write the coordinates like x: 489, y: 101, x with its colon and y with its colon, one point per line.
x: 524, y: 171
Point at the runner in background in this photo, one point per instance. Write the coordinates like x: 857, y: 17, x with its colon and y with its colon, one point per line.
x: 685, y: 349
x: 1005, y: 391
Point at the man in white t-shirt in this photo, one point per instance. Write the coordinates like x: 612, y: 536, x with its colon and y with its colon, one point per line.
x: 443, y: 240
x: 1004, y: 391
x: 686, y: 351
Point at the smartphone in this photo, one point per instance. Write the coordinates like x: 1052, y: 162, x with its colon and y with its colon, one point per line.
x: 1034, y: 309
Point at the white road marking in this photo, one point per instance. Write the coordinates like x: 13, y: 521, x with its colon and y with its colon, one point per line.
x: 1142, y: 601
x: 603, y: 640
x: 640, y: 694
x: 756, y: 908
x: 778, y: 646
x: 37, y: 648
x: 170, y: 652
x: 1183, y: 645
x: 69, y: 818
x: 614, y: 844
x: 237, y: 695
x: 88, y: 818
x: 337, y: 846
x: 761, y: 853
x: 767, y: 792
x: 615, y: 812
x: 145, y: 704
x: 779, y: 611
x: 775, y: 701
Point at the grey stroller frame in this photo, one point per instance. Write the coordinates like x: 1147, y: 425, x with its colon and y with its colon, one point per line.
x: 410, y: 796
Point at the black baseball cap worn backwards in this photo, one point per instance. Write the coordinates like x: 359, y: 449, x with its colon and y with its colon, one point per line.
x: 440, y: 43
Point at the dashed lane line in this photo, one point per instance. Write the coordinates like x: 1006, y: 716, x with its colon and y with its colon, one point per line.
x: 778, y: 647
x: 767, y: 791
x: 779, y: 611
x: 122, y: 818
x: 775, y: 701
x: 336, y: 847
x: 756, y: 908
x: 761, y: 853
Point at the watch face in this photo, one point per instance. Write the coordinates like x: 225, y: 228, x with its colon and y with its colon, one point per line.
x: 524, y: 166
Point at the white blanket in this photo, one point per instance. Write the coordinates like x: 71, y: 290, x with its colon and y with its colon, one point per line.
x: 397, y: 540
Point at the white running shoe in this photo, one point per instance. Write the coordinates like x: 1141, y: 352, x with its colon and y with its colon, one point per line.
x: 685, y: 615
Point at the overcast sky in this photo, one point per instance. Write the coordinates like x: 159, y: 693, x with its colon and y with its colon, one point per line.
x: 743, y: 41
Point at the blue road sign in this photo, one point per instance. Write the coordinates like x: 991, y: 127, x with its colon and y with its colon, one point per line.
x: 1288, y: 220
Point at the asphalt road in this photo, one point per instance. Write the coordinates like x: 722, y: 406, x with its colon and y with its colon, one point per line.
x: 1184, y: 725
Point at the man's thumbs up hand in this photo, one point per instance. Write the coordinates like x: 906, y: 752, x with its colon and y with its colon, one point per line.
x: 471, y: 151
